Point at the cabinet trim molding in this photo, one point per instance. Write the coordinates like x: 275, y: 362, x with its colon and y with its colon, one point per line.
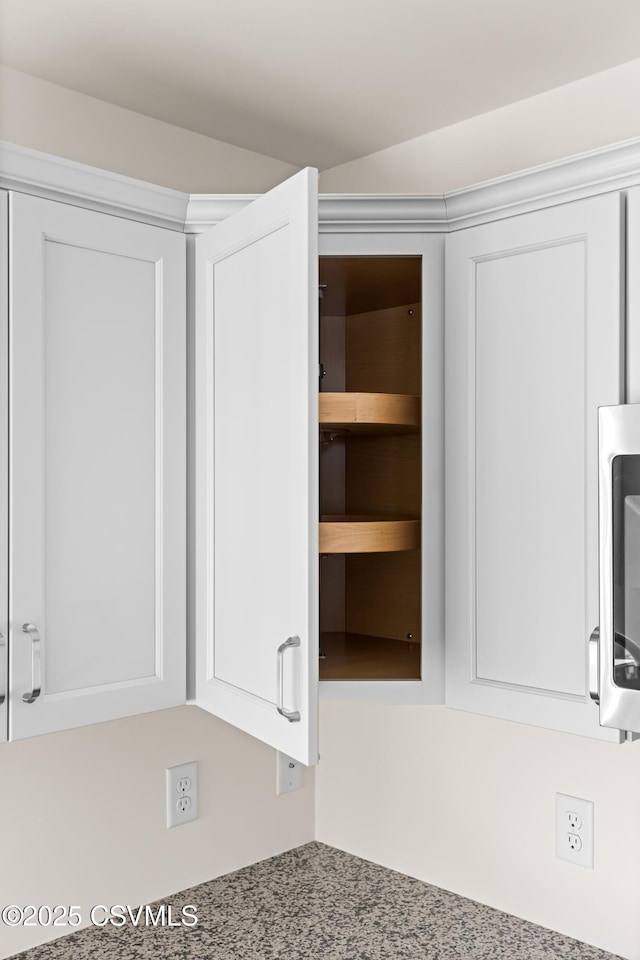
x: 610, y: 168
x: 606, y: 169
x: 338, y: 213
x: 56, y: 178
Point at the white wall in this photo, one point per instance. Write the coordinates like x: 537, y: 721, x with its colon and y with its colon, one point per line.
x: 82, y: 815
x: 468, y: 803
x: 594, y: 112
x: 47, y: 117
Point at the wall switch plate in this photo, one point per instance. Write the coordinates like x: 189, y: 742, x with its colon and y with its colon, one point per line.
x: 574, y: 830
x: 182, y: 793
x: 289, y: 774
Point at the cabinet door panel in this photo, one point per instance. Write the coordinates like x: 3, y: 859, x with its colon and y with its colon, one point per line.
x: 530, y: 490
x: 534, y: 347
x: 4, y: 464
x: 97, y: 486
x: 256, y: 473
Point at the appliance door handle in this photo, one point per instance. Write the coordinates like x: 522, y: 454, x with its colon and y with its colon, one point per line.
x: 594, y: 665
x: 293, y: 716
x: 36, y: 683
x: 3, y: 670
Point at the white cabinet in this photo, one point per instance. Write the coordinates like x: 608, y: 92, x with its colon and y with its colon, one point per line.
x: 97, y: 463
x: 300, y: 554
x: 262, y: 513
x: 256, y: 469
x: 534, y: 345
x: 96, y: 589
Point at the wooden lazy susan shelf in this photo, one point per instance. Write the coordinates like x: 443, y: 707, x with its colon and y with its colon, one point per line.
x: 366, y: 534
x: 370, y: 412
x: 352, y: 656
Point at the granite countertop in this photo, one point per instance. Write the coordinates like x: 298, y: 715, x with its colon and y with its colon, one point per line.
x: 318, y: 903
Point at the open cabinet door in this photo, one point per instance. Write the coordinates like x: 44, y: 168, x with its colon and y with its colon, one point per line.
x: 256, y: 469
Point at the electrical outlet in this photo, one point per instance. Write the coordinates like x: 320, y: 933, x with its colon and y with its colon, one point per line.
x: 182, y: 793
x: 574, y: 820
x: 574, y: 830
x: 288, y: 774
x: 574, y: 842
x: 183, y: 785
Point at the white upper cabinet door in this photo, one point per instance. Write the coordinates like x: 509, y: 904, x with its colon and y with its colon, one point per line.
x: 97, y: 467
x: 633, y: 297
x: 257, y: 468
x: 4, y: 462
x: 533, y: 346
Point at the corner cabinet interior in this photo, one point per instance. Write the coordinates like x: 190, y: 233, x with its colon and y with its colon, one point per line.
x: 380, y: 436
x: 96, y: 502
x: 534, y: 346
x: 370, y: 467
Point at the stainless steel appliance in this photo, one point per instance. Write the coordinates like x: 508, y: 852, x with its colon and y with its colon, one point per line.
x: 615, y: 645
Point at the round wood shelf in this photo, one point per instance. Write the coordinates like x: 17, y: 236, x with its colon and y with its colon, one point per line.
x: 370, y: 412
x: 367, y: 534
x: 355, y: 656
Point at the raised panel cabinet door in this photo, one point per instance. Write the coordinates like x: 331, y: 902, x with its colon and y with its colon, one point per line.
x: 533, y: 347
x: 256, y: 468
x: 97, y: 467
x: 4, y: 463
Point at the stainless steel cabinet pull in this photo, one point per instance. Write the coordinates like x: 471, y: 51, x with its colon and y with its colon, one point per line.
x: 3, y: 694
x: 293, y: 716
x: 32, y: 632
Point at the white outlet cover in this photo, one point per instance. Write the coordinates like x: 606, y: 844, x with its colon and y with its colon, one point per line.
x: 288, y: 774
x: 567, y: 830
x: 175, y: 796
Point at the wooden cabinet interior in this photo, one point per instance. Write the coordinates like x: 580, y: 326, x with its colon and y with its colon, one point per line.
x: 370, y: 467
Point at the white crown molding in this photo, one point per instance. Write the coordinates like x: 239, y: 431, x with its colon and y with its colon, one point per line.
x: 206, y: 210
x: 29, y: 171
x: 615, y: 167
x: 337, y: 213
x: 610, y: 168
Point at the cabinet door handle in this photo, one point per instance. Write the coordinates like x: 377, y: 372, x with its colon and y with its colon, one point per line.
x: 34, y: 693
x: 3, y: 693
x: 293, y: 716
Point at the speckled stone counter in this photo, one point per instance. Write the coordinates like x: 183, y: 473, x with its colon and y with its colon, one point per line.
x: 317, y: 903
